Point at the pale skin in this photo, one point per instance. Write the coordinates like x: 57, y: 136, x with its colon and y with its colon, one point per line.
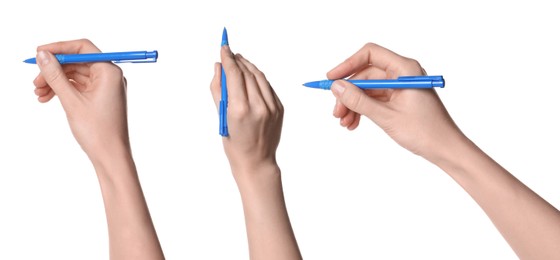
x: 255, y: 117
x: 93, y: 96
x: 418, y: 121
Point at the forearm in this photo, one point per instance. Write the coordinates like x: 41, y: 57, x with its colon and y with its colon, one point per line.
x: 268, y: 225
x: 131, y: 232
x: 528, y: 223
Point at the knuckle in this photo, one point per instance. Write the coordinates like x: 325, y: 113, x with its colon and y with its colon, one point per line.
x: 353, y: 101
x: 117, y: 71
x: 85, y: 41
x: 259, y: 74
x: 280, y: 109
x: 414, y: 63
x: 350, y: 62
x: 370, y: 45
x: 278, y: 114
x: 412, y: 66
x: 273, y: 112
x: 55, y: 76
x: 239, y: 111
x: 111, y: 69
x: 261, y: 111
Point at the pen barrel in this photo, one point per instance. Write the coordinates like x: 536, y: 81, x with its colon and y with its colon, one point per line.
x: 399, y: 83
x: 396, y: 83
x: 108, y: 56
x: 223, y: 105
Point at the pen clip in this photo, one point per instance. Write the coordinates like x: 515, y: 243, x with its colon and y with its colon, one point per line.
x: 416, y: 78
x: 147, y: 60
x: 150, y: 56
x: 436, y: 81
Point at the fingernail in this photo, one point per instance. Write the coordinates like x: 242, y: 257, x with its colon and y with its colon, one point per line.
x: 42, y: 58
x: 338, y: 88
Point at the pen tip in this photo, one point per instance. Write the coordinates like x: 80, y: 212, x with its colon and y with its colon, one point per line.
x: 30, y: 61
x: 312, y: 84
x: 225, y: 37
x: 321, y: 84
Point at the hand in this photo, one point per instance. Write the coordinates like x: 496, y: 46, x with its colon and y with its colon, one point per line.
x: 255, y: 123
x: 93, y: 96
x: 418, y: 121
x: 415, y: 119
x: 254, y: 113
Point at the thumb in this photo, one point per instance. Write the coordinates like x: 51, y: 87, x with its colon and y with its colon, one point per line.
x: 357, y: 100
x: 54, y: 76
x: 215, y: 85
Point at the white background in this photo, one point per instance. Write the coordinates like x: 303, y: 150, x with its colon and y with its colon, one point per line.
x: 350, y: 195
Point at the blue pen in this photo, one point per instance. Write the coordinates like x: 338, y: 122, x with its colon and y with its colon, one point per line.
x: 117, y: 57
x: 400, y: 82
x: 224, y: 101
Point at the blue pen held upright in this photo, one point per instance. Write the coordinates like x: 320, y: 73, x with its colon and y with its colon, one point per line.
x: 224, y: 102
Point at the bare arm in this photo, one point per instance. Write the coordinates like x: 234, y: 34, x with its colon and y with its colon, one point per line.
x: 94, y: 99
x: 419, y: 122
x: 530, y: 225
x: 255, y: 117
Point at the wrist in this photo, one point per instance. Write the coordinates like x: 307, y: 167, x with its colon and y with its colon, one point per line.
x: 445, y: 147
x: 261, y: 192
x: 247, y: 169
x: 263, y: 174
x: 114, y: 162
x: 457, y: 156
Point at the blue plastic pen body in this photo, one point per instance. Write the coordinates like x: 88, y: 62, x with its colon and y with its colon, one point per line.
x: 224, y: 101
x: 401, y: 82
x: 129, y: 56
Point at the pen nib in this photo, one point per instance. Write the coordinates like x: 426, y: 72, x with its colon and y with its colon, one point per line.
x: 323, y: 84
x: 224, y: 38
x: 310, y: 84
x: 30, y: 61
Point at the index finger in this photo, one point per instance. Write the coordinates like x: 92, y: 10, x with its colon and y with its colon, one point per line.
x: 234, y: 77
x: 369, y: 55
x: 75, y: 46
